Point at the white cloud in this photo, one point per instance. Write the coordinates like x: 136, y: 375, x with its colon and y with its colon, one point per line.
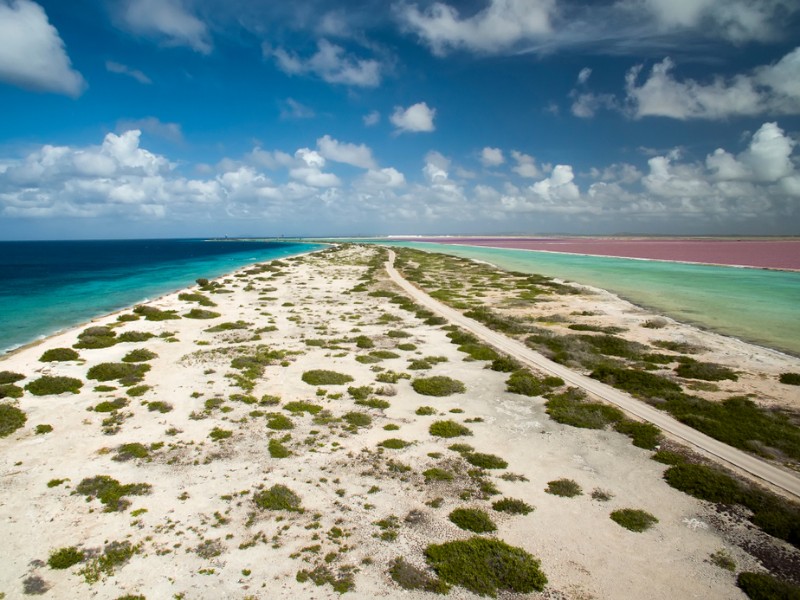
x: 587, y: 104
x: 526, y: 165
x: 372, y: 118
x: 309, y: 170
x: 32, y: 53
x: 559, y: 186
x: 292, y: 109
x: 168, y: 20
x: 492, y: 157
x: 351, y: 154
x: 584, y: 75
x: 115, y: 67
x: 415, y: 118
x: 767, y: 159
x: 330, y: 63
x: 383, y: 178
x: 498, y: 27
x: 772, y: 89
x: 154, y: 126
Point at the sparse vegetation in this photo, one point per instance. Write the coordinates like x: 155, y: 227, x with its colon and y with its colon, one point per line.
x: 691, y: 369
x: 199, y: 313
x: 484, y: 461
x: 139, y: 355
x: 64, y: 558
x: 11, y: 419
x: 111, y: 492
x: 217, y: 434
x: 436, y: 474
x: 409, y: 577
x: 512, y: 506
x: 571, y: 408
x: 439, y: 385
x: 41, y: 428
x: 59, y: 355
x: 790, y: 378
x: 526, y: 383
x: 472, y: 519
x: 151, y: 313
x: 125, y: 373
x: 761, y: 586
x: 448, y: 429
x: 278, y: 450
x: 324, y: 377
x: 394, y: 444
x: 563, y: 487
x: 278, y: 497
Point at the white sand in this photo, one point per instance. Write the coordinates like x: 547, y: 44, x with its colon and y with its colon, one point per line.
x: 583, y: 553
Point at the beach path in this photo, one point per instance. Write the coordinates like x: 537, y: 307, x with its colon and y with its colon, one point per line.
x: 741, y: 461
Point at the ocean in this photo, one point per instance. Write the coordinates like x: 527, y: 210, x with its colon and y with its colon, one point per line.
x: 756, y: 305
x: 50, y: 286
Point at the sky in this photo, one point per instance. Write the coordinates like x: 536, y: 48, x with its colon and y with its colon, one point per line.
x: 194, y: 118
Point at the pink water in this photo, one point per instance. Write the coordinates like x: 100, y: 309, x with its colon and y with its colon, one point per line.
x: 759, y: 253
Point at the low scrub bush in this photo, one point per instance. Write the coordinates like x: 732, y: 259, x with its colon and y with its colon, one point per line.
x: 636, y: 382
x: 49, y: 384
x: 217, y: 434
x: 159, y: 406
x: 472, y: 519
x: 279, y: 422
x: 10, y: 377
x: 278, y: 450
x: 374, y: 403
x: 324, y: 377
x: 610, y: 345
x: 483, y: 461
x: 572, y: 408
x: 96, y: 337
x: 394, y: 444
x: 761, y: 586
x: 301, y: 406
x: 64, y: 558
x: 357, y: 419
x: 9, y: 390
x: 485, y: 566
x: 436, y: 474
x: 448, y: 429
x: 644, y: 435
x: 59, y: 355
x: 151, y: 313
x: 278, y: 497
x: 111, y: 405
x: 110, y: 492
x: 425, y: 411
x: 705, y: 371
x: 409, y: 577
x: 135, y: 336
x: 133, y: 450
x: 201, y: 299
x: 512, y: 506
x: 479, y: 351
x: 199, y: 313
x: 11, y: 419
x: 633, y: 519
x: 505, y: 364
x: 41, y: 428
x: 790, y: 378
x: 125, y: 373
x: 228, y: 326
x: 526, y: 383
x: 439, y: 386
x: 139, y: 355
x: 566, y: 488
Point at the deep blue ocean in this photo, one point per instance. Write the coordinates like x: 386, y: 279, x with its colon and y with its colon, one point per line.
x: 49, y: 286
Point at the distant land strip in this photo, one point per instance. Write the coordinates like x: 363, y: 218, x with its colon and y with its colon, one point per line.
x: 760, y: 253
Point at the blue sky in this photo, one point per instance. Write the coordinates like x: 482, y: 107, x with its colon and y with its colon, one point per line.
x: 183, y: 118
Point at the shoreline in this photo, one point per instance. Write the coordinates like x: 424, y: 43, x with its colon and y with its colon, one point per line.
x: 225, y: 414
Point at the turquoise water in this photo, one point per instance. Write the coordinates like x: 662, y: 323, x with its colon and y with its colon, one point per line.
x: 752, y: 304
x: 50, y: 286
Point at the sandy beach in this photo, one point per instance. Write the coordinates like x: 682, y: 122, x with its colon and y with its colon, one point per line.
x: 258, y: 481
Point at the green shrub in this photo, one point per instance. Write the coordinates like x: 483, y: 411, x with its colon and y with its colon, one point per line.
x: 64, y: 558
x: 59, y: 355
x: 419, y: 365
x: 761, y: 586
x: 96, y: 337
x: 505, y: 364
x: 409, y: 577
x: 512, y: 506
x: 139, y: 355
x: 125, y: 373
x: 438, y: 385
x: 278, y: 497
x: 484, y: 566
x: 636, y: 382
x: 361, y: 392
x: 610, y: 345
x: 9, y: 390
x: 137, y: 391
x: 278, y: 450
x: 564, y: 487
x: 383, y: 354
x: 135, y: 336
x: 201, y: 299
x: 279, y: 422
x: 526, y: 383
x: 448, y: 429
x: 114, y: 554
x: 299, y: 407
x: 425, y: 411
x: 11, y: 419
x: 633, y: 519
x: 357, y: 419
x: 323, y: 377
x: 667, y: 457
x: 199, y: 313
x: 644, y: 435
x: 374, y: 403
x: 10, y: 377
x: 723, y: 560
x: 436, y: 474
x: 110, y: 492
x: 218, y: 434
x: 571, y: 408
x: 479, y: 351
x: 472, y: 519
x: 159, y: 406
x: 41, y: 429
x: 228, y: 326
x: 484, y: 461
x: 398, y: 334
x: 151, y: 313
x: 133, y: 450
x: 363, y: 341
x: 111, y: 405
x: 48, y: 384
x: 790, y: 378
x: 704, y: 371
x: 394, y: 444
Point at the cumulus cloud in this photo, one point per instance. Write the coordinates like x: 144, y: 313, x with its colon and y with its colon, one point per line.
x: 388, y: 177
x: 372, y: 118
x: 330, y: 63
x: 417, y: 117
x: 115, y: 67
x: 292, y: 109
x: 168, y: 20
x: 492, y: 157
x: 772, y: 89
x: 351, y: 154
x: 499, y: 26
x: 767, y: 159
x: 154, y: 126
x: 583, y: 75
x: 309, y: 170
x: 526, y: 165
x: 32, y: 53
